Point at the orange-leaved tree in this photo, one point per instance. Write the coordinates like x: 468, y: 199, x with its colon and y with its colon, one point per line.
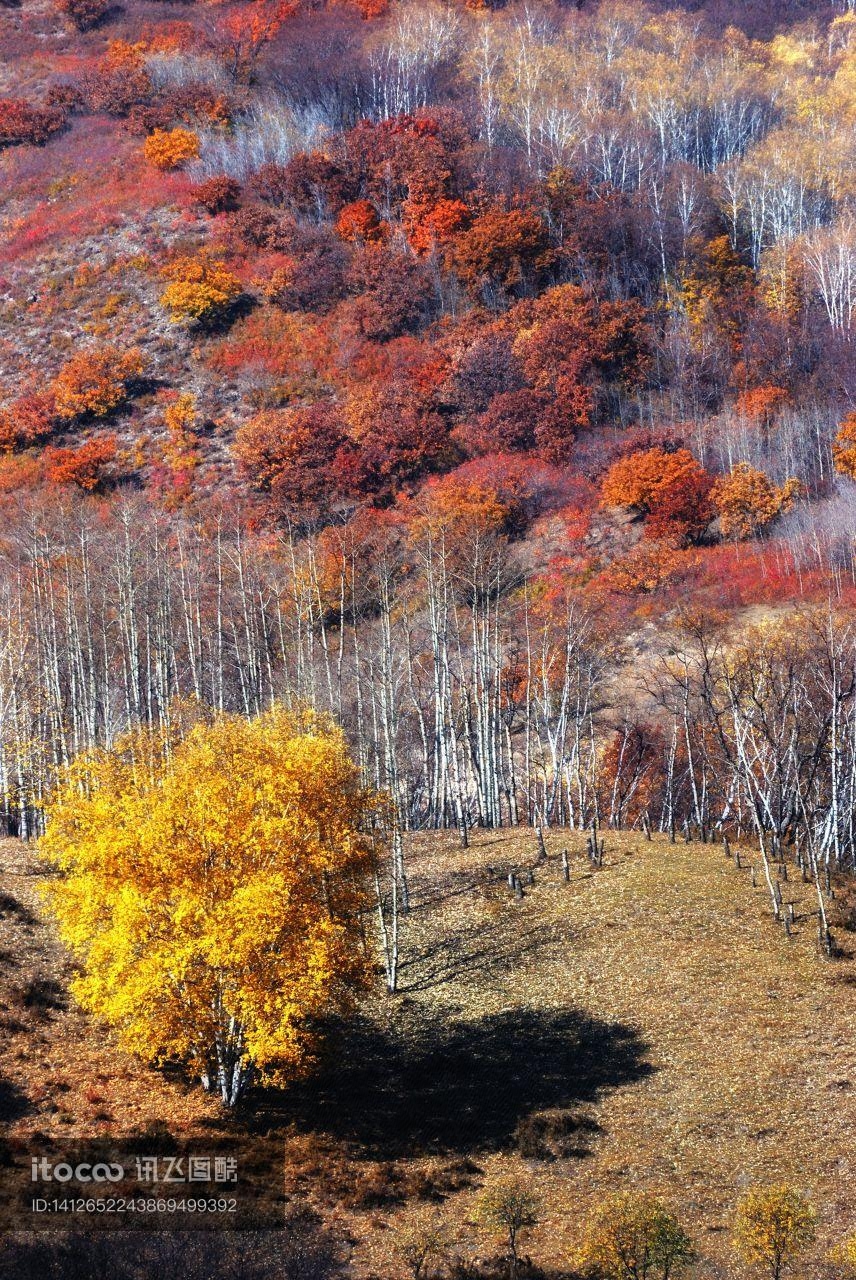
x: 671, y: 488
x: 95, y: 383
x: 243, y: 33
x: 844, y: 447
x: 762, y: 404
x: 747, y: 500
x: 432, y: 225
x: 361, y: 221
x: 501, y: 251
x: 26, y: 421
x: 212, y: 890
x: 84, y: 466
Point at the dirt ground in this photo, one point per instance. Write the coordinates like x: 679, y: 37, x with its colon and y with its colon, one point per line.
x: 658, y: 1025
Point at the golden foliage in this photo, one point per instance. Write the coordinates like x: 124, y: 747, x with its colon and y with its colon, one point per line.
x: 200, y: 289
x: 773, y: 1225
x: 169, y: 148
x: 846, y: 1254
x: 630, y: 1236
x: 844, y: 447
x: 747, y: 500
x: 180, y: 414
x: 212, y: 891
x: 180, y: 452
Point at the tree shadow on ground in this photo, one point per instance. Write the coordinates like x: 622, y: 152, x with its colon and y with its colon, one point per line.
x: 483, y: 949
x: 14, y: 1103
x: 455, y: 1088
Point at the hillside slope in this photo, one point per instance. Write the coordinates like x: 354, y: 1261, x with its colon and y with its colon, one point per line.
x: 677, y: 1038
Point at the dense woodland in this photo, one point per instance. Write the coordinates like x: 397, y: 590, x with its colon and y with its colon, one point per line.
x: 480, y: 374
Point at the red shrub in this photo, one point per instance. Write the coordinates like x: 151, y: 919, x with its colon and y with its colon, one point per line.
x: 311, y: 185
x: 146, y: 117
x: 257, y: 228
x: 21, y: 122
x: 114, y: 92
x: 395, y: 292
x: 293, y: 454
x: 217, y: 195
x: 26, y: 421
x: 360, y: 221
x: 84, y: 466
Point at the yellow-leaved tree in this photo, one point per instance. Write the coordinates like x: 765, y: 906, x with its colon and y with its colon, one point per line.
x: 212, y: 890
x: 200, y: 291
x: 844, y: 447
x: 747, y: 500
x: 773, y: 1225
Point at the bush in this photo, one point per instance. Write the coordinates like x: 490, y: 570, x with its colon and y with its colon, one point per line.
x: 116, y: 93
x: 21, y: 122
x: 312, y: 185
x: 747, y: 500
x: 218, y: 195
x: 200, y: 290
x: 671, y: 488
x: 95, y: 383
x: 167, y: 149
x: 502, y: 251
x: 271, y: 183
x: 145, y: 118
x: 297, y: 455
x: 83, y: 14
x: 84, y: 466
x: 313, y: 277
x: 360, y: 222
x: 257, y: 228
x: 26, y: 421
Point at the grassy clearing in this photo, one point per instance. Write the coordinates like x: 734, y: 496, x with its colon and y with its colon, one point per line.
x: 688, y: 1045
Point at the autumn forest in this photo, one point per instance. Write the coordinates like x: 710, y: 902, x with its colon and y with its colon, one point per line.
x: 428, y: 489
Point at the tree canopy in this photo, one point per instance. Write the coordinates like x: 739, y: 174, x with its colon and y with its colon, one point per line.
x: 211, y: 889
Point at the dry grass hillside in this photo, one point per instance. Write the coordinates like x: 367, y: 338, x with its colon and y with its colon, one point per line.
x: 645, y: 1025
